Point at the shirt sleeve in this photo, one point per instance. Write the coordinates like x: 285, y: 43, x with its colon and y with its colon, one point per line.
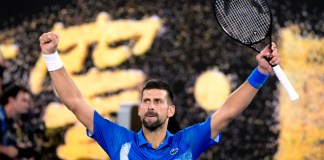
x: 109, y: 135
x: 199, y: 138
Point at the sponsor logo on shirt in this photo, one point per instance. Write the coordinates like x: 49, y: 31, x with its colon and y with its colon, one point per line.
x: 174, y: 151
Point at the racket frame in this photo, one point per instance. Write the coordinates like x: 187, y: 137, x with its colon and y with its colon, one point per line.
x: 292, y: 94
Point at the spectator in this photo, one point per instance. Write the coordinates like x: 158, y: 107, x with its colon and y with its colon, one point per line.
x: 15, y: 101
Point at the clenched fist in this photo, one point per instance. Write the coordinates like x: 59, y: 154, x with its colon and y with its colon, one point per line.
x: 49, y: 42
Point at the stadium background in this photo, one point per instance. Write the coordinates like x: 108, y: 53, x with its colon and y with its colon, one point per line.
x: 188, y: 43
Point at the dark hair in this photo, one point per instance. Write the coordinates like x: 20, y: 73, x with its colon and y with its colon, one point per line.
x: 12, y: 91
x: 158, y: 84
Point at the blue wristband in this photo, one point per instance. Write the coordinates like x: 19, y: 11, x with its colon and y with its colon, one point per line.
x: 257, y: 79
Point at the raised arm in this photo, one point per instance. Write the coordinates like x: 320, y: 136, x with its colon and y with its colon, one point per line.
x: 242, y: 96
x: 65, y: 87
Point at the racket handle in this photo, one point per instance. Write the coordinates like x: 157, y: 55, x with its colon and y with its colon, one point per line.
x: 293, y: 95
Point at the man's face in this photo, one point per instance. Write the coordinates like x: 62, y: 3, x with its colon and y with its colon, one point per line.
x: 22, y: 102
x: 154, y: 109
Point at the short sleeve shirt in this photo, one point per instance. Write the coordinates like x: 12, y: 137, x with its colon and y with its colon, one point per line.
x: 7, y: 136
x: 121, y: 143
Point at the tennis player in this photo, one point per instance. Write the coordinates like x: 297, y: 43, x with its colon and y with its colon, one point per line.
x: 154, y: 141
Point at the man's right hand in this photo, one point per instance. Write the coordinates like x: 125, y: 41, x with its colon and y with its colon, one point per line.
x: 49, y: 42
x: 68, y: 92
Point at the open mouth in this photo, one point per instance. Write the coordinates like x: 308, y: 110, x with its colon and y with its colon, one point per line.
x: 151, y: 114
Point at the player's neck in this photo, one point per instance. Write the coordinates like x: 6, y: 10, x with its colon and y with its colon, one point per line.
x: 155, y: 137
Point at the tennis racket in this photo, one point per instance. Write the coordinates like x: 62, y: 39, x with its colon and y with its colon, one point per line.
x: 249, y: 22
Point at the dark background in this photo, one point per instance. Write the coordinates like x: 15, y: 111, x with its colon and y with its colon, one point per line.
x: 191, y: 42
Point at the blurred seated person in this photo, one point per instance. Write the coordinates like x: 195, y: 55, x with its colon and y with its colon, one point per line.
x: 15, y: 101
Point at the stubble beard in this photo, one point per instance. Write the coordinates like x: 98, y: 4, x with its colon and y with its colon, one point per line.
x: 153, y: 126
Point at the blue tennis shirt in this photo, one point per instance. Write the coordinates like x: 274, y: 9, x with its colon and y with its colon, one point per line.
x: 121, y: 143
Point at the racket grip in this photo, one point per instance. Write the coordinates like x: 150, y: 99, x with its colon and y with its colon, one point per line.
x: 292, y: 94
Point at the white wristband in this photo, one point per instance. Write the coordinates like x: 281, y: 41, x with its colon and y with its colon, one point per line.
x: 53, y: 61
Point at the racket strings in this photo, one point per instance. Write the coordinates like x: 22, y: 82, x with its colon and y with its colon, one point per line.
x: 245, y: 20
